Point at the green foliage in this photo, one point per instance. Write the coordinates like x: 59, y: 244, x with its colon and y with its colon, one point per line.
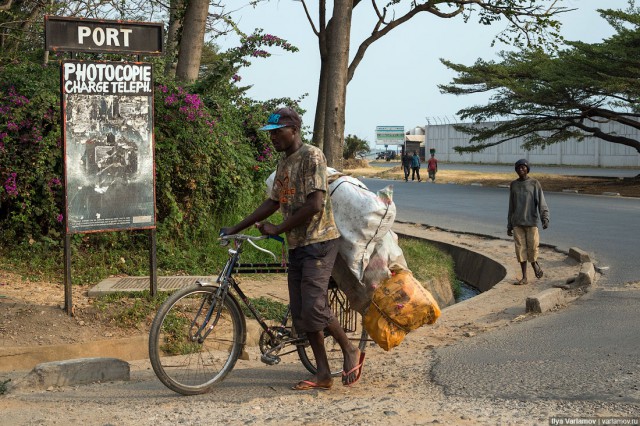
x: 31, y: 181
x: 355, y: 147
x: 552, y: 97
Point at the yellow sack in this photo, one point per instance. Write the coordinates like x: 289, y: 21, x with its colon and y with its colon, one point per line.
x: 400, y: 304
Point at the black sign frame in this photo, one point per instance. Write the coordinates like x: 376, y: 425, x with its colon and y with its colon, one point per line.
x: 103, y: 36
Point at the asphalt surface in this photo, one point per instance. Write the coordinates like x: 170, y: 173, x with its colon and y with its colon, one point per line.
x: 606, y: 227
x: 551, y: 170
x: 587, y: 351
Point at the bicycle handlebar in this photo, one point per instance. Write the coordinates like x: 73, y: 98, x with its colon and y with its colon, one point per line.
x: 251, y: 238
x: 245, y: 237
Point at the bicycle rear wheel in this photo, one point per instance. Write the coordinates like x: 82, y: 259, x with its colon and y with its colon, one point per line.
x: 180, y: 360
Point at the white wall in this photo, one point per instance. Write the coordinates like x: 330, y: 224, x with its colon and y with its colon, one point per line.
x: 590, y: 152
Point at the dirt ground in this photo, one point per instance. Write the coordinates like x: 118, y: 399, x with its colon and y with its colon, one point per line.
x: 395, y: 386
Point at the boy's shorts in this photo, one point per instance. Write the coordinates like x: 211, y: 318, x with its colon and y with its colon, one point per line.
x: 527, y: 240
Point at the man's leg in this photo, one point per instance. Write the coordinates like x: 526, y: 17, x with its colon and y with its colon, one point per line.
x: 350, y: 353
x: 314, y: 312
x: 520, y: 239
x: 533, y: 243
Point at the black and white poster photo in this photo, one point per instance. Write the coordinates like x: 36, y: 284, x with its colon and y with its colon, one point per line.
x: 108, y: 148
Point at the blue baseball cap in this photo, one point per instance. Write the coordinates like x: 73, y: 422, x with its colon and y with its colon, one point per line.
x: 284, y: 117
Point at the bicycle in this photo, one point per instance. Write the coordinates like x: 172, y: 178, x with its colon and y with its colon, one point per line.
x: 199, y: 332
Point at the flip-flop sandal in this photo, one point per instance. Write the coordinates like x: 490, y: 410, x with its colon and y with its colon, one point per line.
x: 521, y: 282
x: 357, y: 368
x: 309, y: 385
x: 538, y: 271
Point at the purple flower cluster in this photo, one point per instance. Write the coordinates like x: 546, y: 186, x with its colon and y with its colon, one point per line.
x: 17, y: 99
x: 189, y: 104
x: 10, y: 184
x: 266, y: 154
x: 258, y: 53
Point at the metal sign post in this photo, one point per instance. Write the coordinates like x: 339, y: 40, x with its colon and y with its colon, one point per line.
x: 107, y: 122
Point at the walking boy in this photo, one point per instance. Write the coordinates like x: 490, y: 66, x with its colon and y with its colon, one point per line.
x: 415, y: 166
x: 300, y: 192
x: 526, y: 207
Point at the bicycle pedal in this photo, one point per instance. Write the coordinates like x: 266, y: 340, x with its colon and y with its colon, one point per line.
x: 270, y: 360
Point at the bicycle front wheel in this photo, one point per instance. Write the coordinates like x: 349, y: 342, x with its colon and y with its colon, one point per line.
x: 184, y: 361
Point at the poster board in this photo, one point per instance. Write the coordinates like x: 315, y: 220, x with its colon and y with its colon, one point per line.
x: 107, y: 110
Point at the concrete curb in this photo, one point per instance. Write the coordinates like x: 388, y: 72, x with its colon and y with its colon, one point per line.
x: 552, y: 298
x: 545, y: 301
x: 76, y: 372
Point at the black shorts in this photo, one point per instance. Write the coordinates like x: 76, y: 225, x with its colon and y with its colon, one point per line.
x: 309, y: 272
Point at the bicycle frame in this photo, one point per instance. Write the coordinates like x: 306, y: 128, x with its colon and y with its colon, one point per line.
x: 227, y: 282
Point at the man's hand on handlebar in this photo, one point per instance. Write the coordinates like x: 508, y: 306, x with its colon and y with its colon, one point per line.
x: 267, y: 228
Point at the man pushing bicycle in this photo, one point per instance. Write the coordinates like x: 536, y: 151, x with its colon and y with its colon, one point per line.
x: 300, y: 192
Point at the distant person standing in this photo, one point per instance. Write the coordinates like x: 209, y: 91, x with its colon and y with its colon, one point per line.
x: 432, y: 167
x: 527, y: 206
x: 406, y: 166
x: 415, y: 166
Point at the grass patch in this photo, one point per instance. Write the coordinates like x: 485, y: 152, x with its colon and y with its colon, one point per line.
x: 426, y: 261
x: 269, y: 309
x: 130, y: 309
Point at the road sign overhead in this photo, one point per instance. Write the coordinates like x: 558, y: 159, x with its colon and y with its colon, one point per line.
x: 389, y: 135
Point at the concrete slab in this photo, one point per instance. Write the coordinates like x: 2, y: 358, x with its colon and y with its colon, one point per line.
x: 127, y: 284
x: 78, y: 372
x: 579, y: 255
x: 546, y: 300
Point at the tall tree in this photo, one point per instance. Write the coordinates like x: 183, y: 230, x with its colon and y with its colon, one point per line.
x: 528, y: 22
x: 192, y: 40
x: 549, y: 98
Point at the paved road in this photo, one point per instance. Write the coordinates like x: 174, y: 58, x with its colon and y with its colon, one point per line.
x: 585, y: 352
x: 552, y: 170
x: 601, y: 225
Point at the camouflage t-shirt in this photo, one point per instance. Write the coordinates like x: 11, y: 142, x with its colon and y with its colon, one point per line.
x: 297, y: 176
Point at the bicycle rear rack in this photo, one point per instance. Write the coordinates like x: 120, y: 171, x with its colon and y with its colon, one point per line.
x: 342, y: 310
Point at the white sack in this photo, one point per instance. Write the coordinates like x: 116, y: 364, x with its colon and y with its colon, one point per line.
x: 362, y: 217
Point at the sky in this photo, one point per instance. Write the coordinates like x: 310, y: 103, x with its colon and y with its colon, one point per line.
x: 396, y: 82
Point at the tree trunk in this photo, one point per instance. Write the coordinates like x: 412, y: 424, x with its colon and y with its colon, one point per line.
x: 337, y: 65
x: 176, y: 9
x: 192, y: 41
x: 318, y: 124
